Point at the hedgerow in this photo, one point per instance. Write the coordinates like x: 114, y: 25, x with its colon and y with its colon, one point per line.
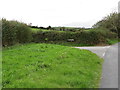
x: 15, y: 32
x: 92, y: 37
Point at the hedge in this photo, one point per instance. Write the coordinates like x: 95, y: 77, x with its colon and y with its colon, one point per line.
x: 84, y: 37
x: 15, y: 32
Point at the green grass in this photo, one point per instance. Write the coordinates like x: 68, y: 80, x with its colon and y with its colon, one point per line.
x: 71, y: 44
x: 35, y: 30
x: 50, y: 66
x: 112, y: 41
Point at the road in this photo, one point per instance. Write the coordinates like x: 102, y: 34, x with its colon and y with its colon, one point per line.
x: 99, y: 50
x: 110, y: 65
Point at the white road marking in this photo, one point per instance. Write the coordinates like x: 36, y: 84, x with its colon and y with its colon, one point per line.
x: 97, y: 50
x: 105, y: 51
x: 108, y: 46
x: 103, y: 54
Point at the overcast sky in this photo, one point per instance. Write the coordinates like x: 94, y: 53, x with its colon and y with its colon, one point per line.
x: 73, y: 13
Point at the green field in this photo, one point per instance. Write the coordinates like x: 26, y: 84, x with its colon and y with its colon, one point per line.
x: 57, y: 29
x: 50, y: 66
x: 35, y: 30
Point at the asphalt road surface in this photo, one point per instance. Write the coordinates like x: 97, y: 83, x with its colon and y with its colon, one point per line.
x: 109, y: 77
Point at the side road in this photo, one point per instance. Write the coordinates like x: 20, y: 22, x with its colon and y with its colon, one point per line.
x: 110, y: 65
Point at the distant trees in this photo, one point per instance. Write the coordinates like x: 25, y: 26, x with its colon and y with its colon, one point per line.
x: 49, y: 27
x: 34, y: 26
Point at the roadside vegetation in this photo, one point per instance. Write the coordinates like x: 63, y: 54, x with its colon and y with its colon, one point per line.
x: 104, y: 32
x: 50, y: 66
x: 32, y: 57
x: 92, y: 37
x: 14, y: 32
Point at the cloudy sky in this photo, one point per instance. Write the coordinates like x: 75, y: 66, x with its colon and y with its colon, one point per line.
x: 73, y: 13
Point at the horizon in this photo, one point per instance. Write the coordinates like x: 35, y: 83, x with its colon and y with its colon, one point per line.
x: 61, y: 13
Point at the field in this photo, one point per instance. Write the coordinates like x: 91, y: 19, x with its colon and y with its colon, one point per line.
x: 50, y: 66
x: 35, y: 30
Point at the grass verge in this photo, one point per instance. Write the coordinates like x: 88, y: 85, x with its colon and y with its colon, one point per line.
x: 112, y: 41
x: 71, y: 44
x: 50, y: 66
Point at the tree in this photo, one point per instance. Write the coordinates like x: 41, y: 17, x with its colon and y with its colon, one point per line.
x: 49, y: 27
x: 110, y: 22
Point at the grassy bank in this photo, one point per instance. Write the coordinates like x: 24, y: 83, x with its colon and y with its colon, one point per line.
x: 50, y: 66
x: 112, y: 41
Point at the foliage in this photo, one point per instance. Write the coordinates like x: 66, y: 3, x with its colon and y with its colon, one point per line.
x: 72, y: 29
x: 15, y: 32
x: 111, y: 22
x: 8, y: 32
x: 112, y: 41
x: 91, y: 37
x: 23, y: 33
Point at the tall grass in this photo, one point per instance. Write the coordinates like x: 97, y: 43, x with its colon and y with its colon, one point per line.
x: 50, y: 66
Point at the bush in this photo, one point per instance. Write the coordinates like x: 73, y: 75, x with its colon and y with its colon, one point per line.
x: 15, y: 32
x: 90, y: 37
x: 83, y: 37
x: 8, y: 32
x: 23, y: 33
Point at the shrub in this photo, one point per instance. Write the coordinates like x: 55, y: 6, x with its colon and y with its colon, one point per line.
x: 84, y: 37
x: 106, y: 33
x: 15, y: 32
x: 8, y: 32
x: 24, y: 33
x: 90, y: 37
